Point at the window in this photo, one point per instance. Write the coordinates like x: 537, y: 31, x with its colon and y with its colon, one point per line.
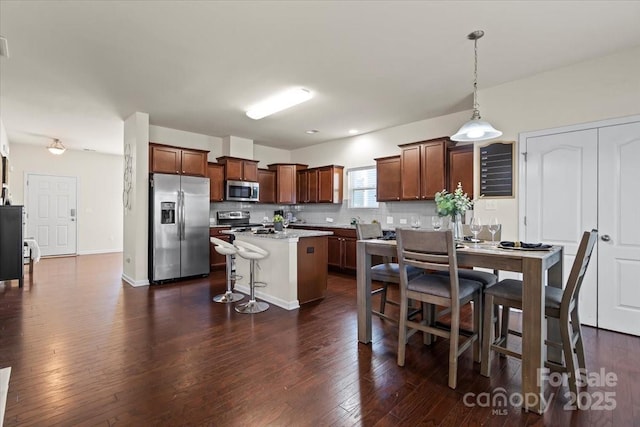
x: 362, y: 187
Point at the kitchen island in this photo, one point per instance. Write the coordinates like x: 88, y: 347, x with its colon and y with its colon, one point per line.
x: 295, y: 271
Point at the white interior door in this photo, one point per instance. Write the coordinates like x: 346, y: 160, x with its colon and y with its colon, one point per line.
x: 619, y: 228
x: 561, y: 200
x: 51, y: 213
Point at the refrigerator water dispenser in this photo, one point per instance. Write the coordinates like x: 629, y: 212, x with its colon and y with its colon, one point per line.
x: 167, y: 213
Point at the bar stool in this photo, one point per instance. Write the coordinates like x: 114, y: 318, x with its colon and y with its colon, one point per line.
x: 228, y: 250
x: 252, y: 253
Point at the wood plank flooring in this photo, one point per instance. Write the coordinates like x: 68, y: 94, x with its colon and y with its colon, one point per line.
x: 86, y: 349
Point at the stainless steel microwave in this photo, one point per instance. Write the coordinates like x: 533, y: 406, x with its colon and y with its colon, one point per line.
x: 243, y: 191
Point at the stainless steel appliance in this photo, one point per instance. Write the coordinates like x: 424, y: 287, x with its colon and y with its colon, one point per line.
x: 238, y: 220
x: 243, y: 191
x: 178, y: 227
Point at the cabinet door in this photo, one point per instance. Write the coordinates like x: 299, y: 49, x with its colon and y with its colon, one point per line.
x: 233, y: 169
x: 286, y: 184
x: 335, y: 253
x: 267, y: 181
x: 250, y: 171
x: 388, y: 179
x: 194, y: 163
x: 432, y: 169
x: 312, y: 186
x: 216, y: 182
x: 461, y: 169
x: 349, y: 250
x: 410, y: 172
x: 302, y: 191
x: 165, y: 160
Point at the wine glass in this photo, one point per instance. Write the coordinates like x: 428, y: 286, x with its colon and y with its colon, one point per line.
x: 265, y: 221
x: 415, y: 222
x: 436, y: 222
x: 285, y: 224
x: 475, y: 227
x: 494, y: 226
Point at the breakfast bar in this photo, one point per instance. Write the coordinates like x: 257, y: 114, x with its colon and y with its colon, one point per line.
x: 295, y: 271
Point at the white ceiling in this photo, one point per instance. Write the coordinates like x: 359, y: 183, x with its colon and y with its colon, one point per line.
x: 77, y: 69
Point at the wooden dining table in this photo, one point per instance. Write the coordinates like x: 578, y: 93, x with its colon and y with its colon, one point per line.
x: 537, y: 267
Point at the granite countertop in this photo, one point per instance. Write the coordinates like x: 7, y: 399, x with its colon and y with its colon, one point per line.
x: 281, y: 235
x: 324, y: 225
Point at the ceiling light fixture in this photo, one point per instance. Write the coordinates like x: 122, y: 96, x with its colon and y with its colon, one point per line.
x: 56, y: 147
x: 353, y: 131
x: 279, y: 102
x: 475, y: 129
x: 311, y: 131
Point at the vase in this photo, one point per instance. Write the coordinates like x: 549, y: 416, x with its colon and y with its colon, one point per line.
x: 277, y: 226
x: 456, y: 226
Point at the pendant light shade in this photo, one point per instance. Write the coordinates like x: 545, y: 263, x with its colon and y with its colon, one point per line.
x: 56, y: 147
x: 476, y: 129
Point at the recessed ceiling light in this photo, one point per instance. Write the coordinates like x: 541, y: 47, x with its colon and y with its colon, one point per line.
x: 279, y: 102
x: 353, y: 131
x: 311, y: 131
x: 4, y: 47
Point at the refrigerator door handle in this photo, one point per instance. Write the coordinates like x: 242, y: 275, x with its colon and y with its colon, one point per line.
x: 179, y: 215
x: 182, y: 221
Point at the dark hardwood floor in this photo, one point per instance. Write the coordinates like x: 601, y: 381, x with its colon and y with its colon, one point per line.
x: 86, y: 349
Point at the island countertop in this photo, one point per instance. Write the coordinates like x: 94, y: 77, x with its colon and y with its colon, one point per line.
x: 290, y: 235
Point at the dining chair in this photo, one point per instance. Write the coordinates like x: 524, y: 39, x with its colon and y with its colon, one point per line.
x: 559, y: 304
x: 387, y: 272
x: 436, y: 250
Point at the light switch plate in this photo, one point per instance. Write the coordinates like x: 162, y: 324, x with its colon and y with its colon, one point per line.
x: 329, y: 219
x: 403, y: 220
x: 389, y: 220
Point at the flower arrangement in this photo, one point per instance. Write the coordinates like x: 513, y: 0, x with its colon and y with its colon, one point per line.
x: 450, y: 204
x: 277, y: 218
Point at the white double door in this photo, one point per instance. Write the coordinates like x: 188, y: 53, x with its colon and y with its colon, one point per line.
x: 588, y: 177
x: 51, y: 213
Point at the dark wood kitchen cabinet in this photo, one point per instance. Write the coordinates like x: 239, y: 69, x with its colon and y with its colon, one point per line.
x: 267, y: 181
x: 388, y: 188
x: 216, y: 260
x: 342, y: 249
x: 176, y: 160
x: 423, y: 169
x: 460, y: 168
x: 237, y: 169
x: 330, y: 181
x: 286, y: 177
x: 215, y: 172
x: 307, y: 186
x: 11, y: 244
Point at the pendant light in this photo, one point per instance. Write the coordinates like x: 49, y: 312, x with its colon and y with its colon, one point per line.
x: 56, y: 147
x: 476, y: 129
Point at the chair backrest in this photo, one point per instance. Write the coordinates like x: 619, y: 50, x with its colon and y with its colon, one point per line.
x: 571, y: 293
x: 222, y: 243
x: 484, y: 233
x: 369, y: 231
x: 248, y: 247
x: 428, y: 250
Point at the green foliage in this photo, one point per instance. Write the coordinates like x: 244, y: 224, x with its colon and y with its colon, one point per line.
x: 448, y: 204
x: 278, y: 218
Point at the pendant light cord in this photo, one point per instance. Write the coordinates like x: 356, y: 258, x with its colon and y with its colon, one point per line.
x: 476, y: 105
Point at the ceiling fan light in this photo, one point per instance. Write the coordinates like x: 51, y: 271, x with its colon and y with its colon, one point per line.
x: 279, y: 102
x: 476, y: 130
x: 56, y: 147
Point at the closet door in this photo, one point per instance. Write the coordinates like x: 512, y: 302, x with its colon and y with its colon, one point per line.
x: 619, y: 228
x: 561, y: 200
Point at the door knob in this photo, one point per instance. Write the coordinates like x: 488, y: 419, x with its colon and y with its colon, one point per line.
x: 605, y: 237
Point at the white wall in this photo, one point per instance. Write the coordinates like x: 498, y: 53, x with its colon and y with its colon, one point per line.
x: 99, y: 190
x: 597, y: 89
x: 180, y: 138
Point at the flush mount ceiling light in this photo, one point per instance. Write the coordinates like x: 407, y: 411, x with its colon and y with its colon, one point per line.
x: 279, y: 102
x: 476, y: 129
x: 56, y: 147
x: 353, y: 131
x: 311, y: 131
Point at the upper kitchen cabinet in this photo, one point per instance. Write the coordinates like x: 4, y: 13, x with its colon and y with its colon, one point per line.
x: 388, y: 185
x: 286, y: 177
x: 237, y: 169
x: 215, y: 172
x: 330, y: 179
x: 267, y: 181
x: 460, y: 168
x: 307, y: 186
x: 176, y: 160
x: 423, y: 169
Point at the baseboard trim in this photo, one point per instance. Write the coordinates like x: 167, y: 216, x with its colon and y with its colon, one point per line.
x: 287, y: 305
x: 99, y: 251
x: 5, y: 373
x: 133, y: 282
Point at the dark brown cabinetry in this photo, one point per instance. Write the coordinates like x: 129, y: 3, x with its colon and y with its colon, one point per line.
x: 342, y: 249
x: 267, y: 181
x: 312, y: 268
x: 423, y: 169
x: 215, y: 172
x: 460, y: 168
x: 330, y: 184
x: 11, y: 241
x: 216, y: 260
x: 388, y: 187
x: 286, y: 177
x: 307, y: 186
x: 237, y: 169
x: 175, y: 160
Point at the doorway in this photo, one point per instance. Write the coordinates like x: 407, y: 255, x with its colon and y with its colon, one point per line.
x: 585, y: 177
x: 51, y: 206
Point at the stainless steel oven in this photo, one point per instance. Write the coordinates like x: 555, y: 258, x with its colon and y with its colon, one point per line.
x: 243, y: 191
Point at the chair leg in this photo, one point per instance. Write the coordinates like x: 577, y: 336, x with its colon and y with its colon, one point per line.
x: 453, y: 347
x: 579, y: 349
x: 487, y: 336
x: 504, y: 327
x: 567, y: 349
x: 402, y: 329
x: 427, y: 319
x: 496, y: 320
x: 383, y: 296
x: 477, y: 326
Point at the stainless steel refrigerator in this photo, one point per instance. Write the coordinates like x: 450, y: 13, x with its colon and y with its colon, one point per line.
x: 178, y: 227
